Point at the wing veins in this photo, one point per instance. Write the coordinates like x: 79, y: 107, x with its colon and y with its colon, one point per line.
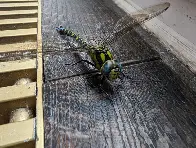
x: 134, y: 20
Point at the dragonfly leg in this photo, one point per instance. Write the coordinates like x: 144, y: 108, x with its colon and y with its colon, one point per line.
x: 122, y: 76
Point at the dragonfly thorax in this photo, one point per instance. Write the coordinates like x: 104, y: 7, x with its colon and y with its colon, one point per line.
x: 104, y: 62
x: 99, y: 56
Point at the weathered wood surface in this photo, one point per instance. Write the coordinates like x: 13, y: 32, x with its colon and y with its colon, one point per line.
x: 151, y: 109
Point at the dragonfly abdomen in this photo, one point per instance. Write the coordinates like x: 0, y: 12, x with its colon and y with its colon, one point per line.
x: 99, y: 55
x: 70, y: 33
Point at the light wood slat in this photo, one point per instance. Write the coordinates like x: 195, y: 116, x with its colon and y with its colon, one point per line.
x: 19, y: 32
x: 18, y: 21
x: 18, y: 1
x: 18, y: 12
x: 17, y: 65
x: 39, y: 101
x: 18, y: 47
x: 12, y: 5
x: 15, y: 92
x: 17, y: 133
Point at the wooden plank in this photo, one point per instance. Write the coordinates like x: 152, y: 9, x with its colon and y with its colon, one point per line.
x: 19, y: 32
x: 17, y: 65
x: 17, y: 92
x: 18, y: 21
x: 18, y: 12
x: 14, y: 5
x: 39, y: 107
x: 18, y: 47
x: 17, y: 133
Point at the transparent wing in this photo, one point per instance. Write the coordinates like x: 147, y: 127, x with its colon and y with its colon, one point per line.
x: 131, y: 21
x: 57, y: 49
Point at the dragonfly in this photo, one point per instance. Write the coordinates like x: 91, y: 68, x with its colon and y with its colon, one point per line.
x: 102, y: 58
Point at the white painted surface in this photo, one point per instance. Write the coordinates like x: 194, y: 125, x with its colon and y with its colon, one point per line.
x: 181, y: 16
x: 169, y: 34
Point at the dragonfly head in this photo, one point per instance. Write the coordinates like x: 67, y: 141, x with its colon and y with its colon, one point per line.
x: 111, y: 69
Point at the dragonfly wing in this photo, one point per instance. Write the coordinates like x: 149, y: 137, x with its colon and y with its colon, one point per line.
x: 152, y: 11
x: 55, y: 49
x: 135, y: 19
x: 124, y: 28
x: 129, y: 20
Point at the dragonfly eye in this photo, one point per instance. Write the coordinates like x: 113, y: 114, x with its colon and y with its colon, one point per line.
x: 106, y: 68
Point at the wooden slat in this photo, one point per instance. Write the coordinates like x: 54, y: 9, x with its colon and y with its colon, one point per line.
x: 13, y: 5
x: 17, y: 65
x: 18, y: 21
x: 17, y: 92
x: 39, y: 101
x: 18, y: 47
x: 17, y: 133
x: 18, y: 12
x: 19, y: 32
x: 18, y: 1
